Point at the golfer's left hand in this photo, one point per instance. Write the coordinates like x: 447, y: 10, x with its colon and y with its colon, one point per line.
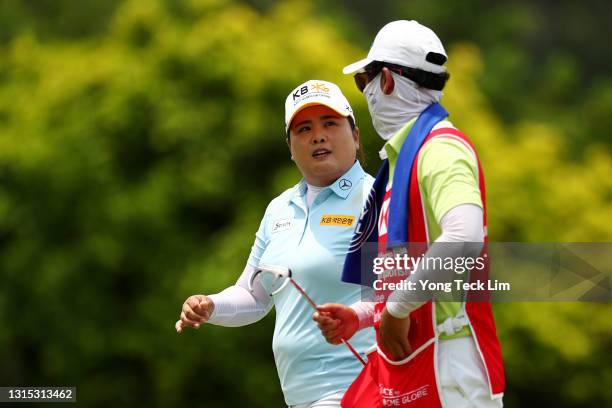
x: 393, y: 336
x: 336, y: 322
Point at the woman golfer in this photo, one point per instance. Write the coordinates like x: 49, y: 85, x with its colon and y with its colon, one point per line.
x: 306, y: 229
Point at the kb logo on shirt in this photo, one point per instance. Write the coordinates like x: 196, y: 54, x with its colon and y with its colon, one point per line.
x: 338, y: 220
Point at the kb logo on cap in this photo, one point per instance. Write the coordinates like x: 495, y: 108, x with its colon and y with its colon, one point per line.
x: 304, y: 90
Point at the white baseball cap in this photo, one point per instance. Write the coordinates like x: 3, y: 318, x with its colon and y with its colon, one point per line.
x: 316, y: 92
x: 405, y: 43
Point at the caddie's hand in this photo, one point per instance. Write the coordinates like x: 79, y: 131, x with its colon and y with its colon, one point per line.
x: 336, y: 322
x: 393, y: 336
x: 196, y: 310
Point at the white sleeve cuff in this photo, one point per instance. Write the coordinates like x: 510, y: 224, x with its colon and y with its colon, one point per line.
x: 365, y: 313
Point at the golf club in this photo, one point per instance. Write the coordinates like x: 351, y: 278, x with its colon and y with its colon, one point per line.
x: 283, y: 275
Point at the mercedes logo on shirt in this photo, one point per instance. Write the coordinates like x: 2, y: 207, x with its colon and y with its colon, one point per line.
x: 345, y: 184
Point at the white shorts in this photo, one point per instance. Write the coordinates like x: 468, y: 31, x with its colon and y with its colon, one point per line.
x: 462, y: 375
x: 331, y: 401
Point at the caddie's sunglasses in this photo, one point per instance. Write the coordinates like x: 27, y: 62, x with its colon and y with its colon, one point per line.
x: 422, y: 78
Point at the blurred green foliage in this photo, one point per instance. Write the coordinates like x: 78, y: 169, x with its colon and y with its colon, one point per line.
x: 140, y: 142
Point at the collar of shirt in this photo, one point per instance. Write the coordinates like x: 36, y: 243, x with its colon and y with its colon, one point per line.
x: 342, y: 187
x: 393, y: 146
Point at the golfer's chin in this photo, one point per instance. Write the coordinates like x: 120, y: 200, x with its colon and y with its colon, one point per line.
x: 324, y: 173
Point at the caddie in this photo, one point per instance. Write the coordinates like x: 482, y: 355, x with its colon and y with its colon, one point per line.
x: 430, y: 189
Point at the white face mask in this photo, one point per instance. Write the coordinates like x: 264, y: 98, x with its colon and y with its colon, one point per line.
x: 391, y: 112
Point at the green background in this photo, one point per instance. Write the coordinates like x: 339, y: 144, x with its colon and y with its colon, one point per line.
x: 141, y: 140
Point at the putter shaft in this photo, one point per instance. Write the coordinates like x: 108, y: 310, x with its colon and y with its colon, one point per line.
x: 314, y: 306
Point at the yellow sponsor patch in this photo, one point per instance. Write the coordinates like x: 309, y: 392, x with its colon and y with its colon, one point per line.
x: 338, y: 220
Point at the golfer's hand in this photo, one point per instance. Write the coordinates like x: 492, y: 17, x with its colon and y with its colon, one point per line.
x: 336, y: 322
x: 196, y: 310
x: 393, y: 336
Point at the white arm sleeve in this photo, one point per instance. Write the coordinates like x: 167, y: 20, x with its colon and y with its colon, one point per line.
x: 237, y: 306
x: 462, y: 223
x: 365, y: 313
